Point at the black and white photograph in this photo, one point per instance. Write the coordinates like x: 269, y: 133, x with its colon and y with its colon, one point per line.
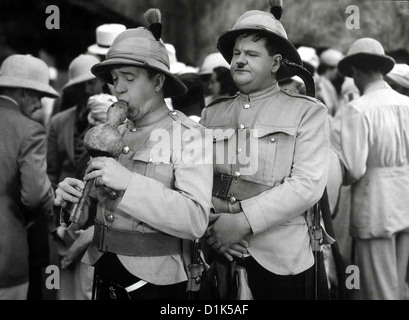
x: 204, y: 155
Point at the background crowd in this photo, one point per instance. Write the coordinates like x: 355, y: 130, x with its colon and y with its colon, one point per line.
x: 83, y: 100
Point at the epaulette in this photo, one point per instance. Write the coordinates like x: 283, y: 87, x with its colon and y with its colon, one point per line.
x: 297, y: 95
x: 221, y: 99
x: 184, y: 120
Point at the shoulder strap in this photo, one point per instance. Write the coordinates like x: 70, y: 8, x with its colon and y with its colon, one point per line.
x: 221, y: 99
x: 184, y: 120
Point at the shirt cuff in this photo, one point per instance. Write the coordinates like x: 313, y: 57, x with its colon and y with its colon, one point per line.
x: 254, y: 215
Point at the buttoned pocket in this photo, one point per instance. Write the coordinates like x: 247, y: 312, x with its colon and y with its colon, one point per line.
x: 276, y: 147
x: 154, y: 163
x: 224, y: 145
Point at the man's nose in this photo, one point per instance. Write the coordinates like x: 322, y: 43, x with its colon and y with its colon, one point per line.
x: 119, y: 87
x: 240, y: 61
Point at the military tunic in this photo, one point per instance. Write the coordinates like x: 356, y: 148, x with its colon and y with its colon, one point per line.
x: 287, y: 143
x: 170, y: 191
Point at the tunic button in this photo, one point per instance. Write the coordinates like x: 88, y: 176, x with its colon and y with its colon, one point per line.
x: 174, y: 113
x: 132, y: 129
x: 247, y: 106
x: 113, y: 195
x: 109, y: 217
x: 273, y: 140
x: 237, y: 174
x: 150, y: 160
x: 215, y: 138
x: 239, y: 150
x: 126, y: 150
x: 242, y: 126
x: 232, y: 200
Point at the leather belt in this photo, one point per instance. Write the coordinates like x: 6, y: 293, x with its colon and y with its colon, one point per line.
x: 133, y: 243
x: 233, y: 189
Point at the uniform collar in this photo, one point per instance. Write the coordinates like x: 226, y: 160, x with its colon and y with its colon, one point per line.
x: 150, y: 118
x: 259, y: 95
x: 376, y: 85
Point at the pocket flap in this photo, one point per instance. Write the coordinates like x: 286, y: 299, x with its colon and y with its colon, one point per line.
x: 152, y: 155
x: 222, y: 134
x: 260, y: 132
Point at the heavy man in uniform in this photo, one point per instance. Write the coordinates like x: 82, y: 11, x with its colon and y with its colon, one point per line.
x: 163, y: 190
x: 260, y: 205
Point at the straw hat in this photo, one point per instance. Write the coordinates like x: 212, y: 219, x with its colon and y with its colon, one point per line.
x: 26, y: 71
x: 80, y: 69
x: 138, y: 47
x: 331, y: 57
x: 105, y: 36
x: 264, y: 22
x: 366, y: 50
x: 309, y: 55
x: 399, y: 75
x: 212, y: 61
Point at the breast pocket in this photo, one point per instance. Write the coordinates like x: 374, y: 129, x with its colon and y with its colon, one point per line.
x: 224, y: 146
x: 275, y: 151
x: 154, y: 164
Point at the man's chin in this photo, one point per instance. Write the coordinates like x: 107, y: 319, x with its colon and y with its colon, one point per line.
x: 241, y: 83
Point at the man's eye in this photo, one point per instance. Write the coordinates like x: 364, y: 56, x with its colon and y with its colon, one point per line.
x: 130, y: 78
x: 236, y: 53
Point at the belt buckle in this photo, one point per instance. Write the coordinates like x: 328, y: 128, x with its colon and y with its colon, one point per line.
x: 223, y: 192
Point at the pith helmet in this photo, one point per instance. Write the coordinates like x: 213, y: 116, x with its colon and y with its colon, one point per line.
x: 80, y: 69
x: 368, y: 50
x: 266, y: 23
x: 139, y: 47
x: 26, y: 71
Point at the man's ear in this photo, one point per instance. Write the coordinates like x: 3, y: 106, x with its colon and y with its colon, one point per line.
x: 159, y: 81
x: 276, y: 63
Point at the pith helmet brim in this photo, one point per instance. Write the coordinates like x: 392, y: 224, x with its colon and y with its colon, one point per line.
x: 368, y: 51
x: 385, y: 63
x: 173, y: 87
